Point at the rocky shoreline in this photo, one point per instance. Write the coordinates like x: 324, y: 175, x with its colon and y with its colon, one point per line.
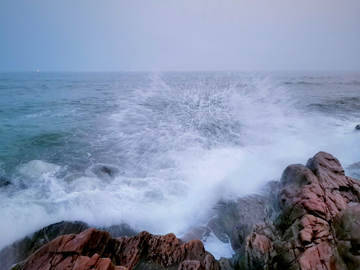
x: 310, y: 219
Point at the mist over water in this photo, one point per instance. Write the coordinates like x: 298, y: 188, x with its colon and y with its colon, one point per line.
x: 158, y: 151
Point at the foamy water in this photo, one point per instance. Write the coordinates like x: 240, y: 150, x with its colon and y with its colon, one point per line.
x: 158, y: 151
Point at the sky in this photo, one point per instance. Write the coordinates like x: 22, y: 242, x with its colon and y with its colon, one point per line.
x: 179, y: 35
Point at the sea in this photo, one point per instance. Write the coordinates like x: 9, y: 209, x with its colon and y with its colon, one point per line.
x: 158, y: 150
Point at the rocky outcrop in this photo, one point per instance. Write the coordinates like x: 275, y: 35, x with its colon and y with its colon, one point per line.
x: 310, y: 230
x: 95, y: 249
x: 23, y: 248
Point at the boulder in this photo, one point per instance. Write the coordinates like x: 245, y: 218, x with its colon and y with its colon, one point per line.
x: 311, y: 199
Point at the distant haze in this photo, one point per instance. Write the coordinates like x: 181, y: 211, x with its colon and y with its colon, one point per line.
x: 141, y: 35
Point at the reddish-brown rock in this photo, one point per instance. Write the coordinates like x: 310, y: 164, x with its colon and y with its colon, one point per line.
x: 191, y: 265
x: 310, y: 198
x: 94, y: 249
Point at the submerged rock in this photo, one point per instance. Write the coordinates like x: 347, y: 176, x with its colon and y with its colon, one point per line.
x: 4, y: 182
x: 104, y: 171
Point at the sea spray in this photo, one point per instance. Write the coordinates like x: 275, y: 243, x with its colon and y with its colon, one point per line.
x: 159, y: 152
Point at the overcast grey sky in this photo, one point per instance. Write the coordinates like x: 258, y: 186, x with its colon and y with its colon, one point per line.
x: 115, y: 35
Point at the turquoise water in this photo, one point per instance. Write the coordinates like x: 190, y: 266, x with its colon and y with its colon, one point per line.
x: 52, y: 116
x: 158, y: 151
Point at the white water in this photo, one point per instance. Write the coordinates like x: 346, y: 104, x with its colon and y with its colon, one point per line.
x: 179, y: 149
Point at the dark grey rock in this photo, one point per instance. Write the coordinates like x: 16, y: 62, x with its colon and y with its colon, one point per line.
x: 4, y: 181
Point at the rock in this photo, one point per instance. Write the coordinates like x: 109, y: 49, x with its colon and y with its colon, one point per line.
x: 95, y: 249
x: 258, y: 250
x: 196, y: 233
x: 311, y: 198
x: 21, y: 249
x: 357, y: 128
x: 104, y: 172
x: 4, y: 182
x: 347, y: 234
x: 225, y: 264
x: 236, y: 219
x: 191, y: 265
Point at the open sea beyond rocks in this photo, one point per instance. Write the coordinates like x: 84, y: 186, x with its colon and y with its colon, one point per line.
x: 159, y: 151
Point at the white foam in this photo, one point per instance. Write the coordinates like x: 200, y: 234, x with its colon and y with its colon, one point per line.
x: 36, y: 168
x: 217, y: 248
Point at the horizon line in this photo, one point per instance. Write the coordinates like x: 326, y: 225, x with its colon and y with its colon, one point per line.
x: 160, y: 71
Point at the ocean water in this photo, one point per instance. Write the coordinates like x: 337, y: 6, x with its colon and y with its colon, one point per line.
x: 157, y: 151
